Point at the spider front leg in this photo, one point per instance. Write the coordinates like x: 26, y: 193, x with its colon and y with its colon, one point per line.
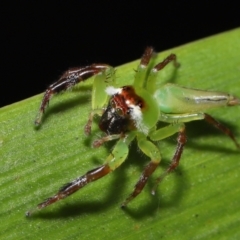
x: 69, y: 79
x: 114, y: 160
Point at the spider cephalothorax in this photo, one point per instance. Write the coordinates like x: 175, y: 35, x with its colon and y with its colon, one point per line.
x: 124, y: 111
x: 132, y: 112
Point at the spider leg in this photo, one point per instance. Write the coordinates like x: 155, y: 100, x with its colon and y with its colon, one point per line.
x: 68, y: 79
x: 198, y: 116
x: 151, y: 151
x: 165, y: 132
x: 171, y: 58
x: 114, y: 160
x: 171, y: 129
x: 76, y: 184
x: 100, y: 141
x: 143, y: 77
x: 221, y: 127
x: 146, y: 57
x: 141, y: 72
x: 181, y: 140
x: 88, y: 126
x: 153, y: 76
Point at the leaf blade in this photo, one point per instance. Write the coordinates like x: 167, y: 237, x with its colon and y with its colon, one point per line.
x: 199, y: 200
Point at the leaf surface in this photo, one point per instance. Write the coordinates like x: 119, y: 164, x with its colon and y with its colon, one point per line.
x: 199, y: 200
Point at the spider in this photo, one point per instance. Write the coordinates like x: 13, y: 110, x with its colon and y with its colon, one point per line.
x: 132, y: 112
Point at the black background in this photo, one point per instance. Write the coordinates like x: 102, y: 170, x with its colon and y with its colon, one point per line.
x: 40, y: 40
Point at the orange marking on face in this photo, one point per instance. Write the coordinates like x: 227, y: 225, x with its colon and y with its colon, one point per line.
x: 126, y: 99
x: 129, y: 95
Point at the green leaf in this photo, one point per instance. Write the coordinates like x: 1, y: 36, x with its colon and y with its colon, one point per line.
x: 200, y: 200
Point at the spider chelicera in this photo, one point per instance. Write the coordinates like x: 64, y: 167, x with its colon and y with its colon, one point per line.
x: 132, y: 112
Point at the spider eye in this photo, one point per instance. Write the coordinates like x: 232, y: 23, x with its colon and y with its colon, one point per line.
x: 119, y: 111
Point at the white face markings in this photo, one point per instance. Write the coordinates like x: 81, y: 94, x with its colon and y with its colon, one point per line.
x: 112, y: 90
x: 136, y: 116
x: 135, y: 113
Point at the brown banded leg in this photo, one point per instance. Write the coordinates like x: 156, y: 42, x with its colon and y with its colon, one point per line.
x: 68, y: 79
x: 142, y: 67
x: 151, y: 151
x: 114, y: 160
x: 100, y: 141
x: 88, y: 126
x: 147, y: 55
x: 75, y: 185
x: 149, y: 169
x: 167, y: 60
x: 221, y: 127
x: 181, y: 140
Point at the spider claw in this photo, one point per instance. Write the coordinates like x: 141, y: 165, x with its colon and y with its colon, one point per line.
x: 153, y: 192
x: 87, y: 129
x: 30, y: 212
x: 123, y: 206
x: 97, y: 143
x: 38, y: 119
x: 125, y: 203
